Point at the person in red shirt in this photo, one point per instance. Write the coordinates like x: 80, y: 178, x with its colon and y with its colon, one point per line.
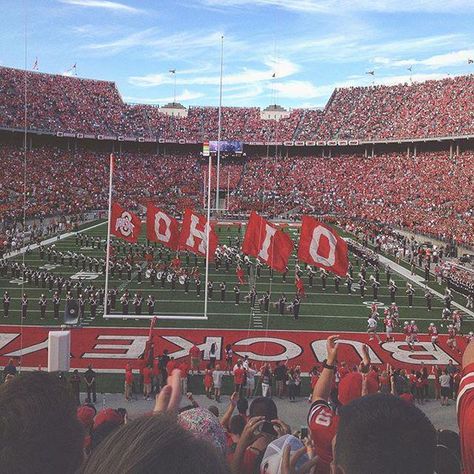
x: 147, y: 375
x: 465, y: 409
x: 239, y: 378
x: 141, y: 366
x: 323, y: 420
x: 171, y: 365
x: 195, y: 355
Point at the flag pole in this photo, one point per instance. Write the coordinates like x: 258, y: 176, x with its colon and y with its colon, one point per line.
x: 208, y: 229
x: 107, y: 258
x: 219, y: 124
x: 228, y: 190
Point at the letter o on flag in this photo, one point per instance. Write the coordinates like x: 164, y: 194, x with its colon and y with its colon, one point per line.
x: 167, y: 235
x: 318, y: 232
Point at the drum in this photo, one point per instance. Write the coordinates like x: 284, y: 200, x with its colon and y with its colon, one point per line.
x: 182, y: 279
x: 148, y: 273
x: 159, y: 275
x: 169, y: 278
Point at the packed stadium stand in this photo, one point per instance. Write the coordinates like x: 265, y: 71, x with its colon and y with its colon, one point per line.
x: 72, y: 105
x: 429, y: 191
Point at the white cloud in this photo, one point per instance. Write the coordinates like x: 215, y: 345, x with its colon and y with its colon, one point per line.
x: 121, y: 44
x: 281, y: 67
x: 298, y: 90
x: 455, y: 58
x: 185, y: 96
x: 105, y: 4
x: 339, y: 7
x: 181, y: 45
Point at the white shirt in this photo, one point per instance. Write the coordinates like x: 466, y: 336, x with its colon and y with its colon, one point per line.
x: 217, y: 378
x: 372, y: 323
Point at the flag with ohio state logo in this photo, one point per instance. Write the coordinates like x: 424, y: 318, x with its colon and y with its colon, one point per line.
x: 322, y: 247
x: 124, y: 224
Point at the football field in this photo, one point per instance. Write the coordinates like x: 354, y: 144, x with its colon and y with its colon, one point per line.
x: 321, y: 309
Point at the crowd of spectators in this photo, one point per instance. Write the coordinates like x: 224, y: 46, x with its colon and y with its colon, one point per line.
x: 58, y: 103
x: 416, y: 110
x: 359, y: 418
x: 430, y: 194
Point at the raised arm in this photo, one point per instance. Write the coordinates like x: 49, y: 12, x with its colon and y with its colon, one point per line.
x: 322, y: 389
x: 230, y: 410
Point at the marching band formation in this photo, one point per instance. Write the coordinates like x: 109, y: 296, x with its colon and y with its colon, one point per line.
x: 164, y: 268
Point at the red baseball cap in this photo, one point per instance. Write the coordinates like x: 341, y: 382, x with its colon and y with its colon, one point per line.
x: 109, y: 414
x: 86, y: 415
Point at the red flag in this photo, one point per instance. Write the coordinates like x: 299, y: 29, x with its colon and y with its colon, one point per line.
x: 161, y: 227
x: 194, y: 232
x: 269, y: 244
x: 321, y: 246
x: 124, y: 224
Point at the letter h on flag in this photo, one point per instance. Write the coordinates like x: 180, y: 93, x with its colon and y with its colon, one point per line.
x: 124, y: 224
x: 161, y: 227
x: 193, y: 234
x: 267, y: 243
x: 321, y: 246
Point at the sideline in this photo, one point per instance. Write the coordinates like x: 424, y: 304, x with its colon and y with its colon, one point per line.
x: 418, y: 280
x: 51, y: 240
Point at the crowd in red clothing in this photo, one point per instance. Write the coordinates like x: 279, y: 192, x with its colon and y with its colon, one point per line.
x: 352, y: 408
x: 426, y: 109
x: 74, y: 105
x: 429, y: 194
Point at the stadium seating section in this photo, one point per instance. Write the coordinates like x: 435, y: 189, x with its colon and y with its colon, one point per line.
x: 72, y: 105
x: 430, y: 193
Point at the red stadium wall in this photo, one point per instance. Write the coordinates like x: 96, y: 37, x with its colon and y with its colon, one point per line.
x: 109, y: 349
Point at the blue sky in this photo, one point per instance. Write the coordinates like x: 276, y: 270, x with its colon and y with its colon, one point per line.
x: 312, y: 46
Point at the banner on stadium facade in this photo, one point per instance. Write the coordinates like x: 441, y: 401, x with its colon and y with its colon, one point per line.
x: 110, y: 349
x: 205, y: 149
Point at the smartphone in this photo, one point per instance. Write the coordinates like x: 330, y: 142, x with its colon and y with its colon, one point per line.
x: 304, y: 432
x: 268, y: 428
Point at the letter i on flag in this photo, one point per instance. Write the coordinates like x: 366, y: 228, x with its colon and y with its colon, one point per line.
x: 161, y: 227
x: 193, y: 234
x: 124, y: 224
x: 321, y: 246
x: 267, y: 243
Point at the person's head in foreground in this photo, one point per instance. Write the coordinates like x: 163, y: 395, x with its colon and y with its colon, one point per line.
x: 39, y: 429
x: 155, y: 444
x: 383, y: 434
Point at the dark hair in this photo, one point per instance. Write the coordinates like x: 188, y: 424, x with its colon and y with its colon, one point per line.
x: 39, y: 429
x: 242, y: 405
x: 374, y: 427
x: 214, y: 410
x: 237, y: 424
x: 155, y: 444
x: 102, y: 432
x: 263, y: 406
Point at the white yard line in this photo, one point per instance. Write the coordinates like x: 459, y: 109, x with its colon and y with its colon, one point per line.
x: 418, y: 280
x: 51, y: 240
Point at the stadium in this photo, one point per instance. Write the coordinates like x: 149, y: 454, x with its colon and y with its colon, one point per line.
x: 158, y: 245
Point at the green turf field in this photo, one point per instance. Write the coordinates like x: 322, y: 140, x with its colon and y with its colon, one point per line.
x: 320, y: 310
